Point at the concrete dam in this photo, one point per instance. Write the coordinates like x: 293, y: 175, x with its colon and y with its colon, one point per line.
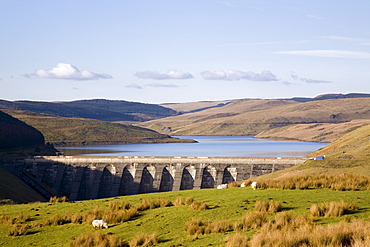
x: 83, y: 178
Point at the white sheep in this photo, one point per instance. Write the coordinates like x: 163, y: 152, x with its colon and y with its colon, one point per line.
x: 99, y: 224
x: 222, y: 186
x: 243, y: 184
x: 254, y: 185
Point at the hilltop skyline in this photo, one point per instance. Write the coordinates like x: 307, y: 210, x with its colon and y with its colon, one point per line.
x: 182, y: 51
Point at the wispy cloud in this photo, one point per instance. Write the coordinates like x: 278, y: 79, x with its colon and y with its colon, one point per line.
x: 307, y: 80
x: 328, y: 53
x: 67, y: 72
x: 134, y: 85
x: 170, y: 74
x: 236, y: 75
x: 160, y: 85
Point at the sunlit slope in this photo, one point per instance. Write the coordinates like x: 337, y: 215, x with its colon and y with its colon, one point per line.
x: 77, y: 131
x: 316, y: 132
x: 348, y: 154
x: 354, y: 145
x: 252, y: 116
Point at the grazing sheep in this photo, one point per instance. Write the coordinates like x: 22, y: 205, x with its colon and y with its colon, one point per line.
x: 243, y: 184
x: 99, y: 224
x: 254, y: 185
x: 222, y: 186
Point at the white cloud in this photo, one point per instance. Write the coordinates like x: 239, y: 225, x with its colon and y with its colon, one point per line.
x: 170, y: 74
x: 214, y: 75
x: 329, y: 53
x: 68, y: 72
x: 307, y: 80
x: 236, y: 75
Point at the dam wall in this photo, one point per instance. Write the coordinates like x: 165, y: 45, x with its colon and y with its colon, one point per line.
x: 83, y: 178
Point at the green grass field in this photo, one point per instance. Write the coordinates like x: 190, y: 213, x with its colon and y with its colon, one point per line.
x: 169, y: 222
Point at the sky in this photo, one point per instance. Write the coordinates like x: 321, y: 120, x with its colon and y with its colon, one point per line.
x: 174, y: 51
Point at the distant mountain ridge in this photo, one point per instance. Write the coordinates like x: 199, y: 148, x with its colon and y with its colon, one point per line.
x: 100, y: 109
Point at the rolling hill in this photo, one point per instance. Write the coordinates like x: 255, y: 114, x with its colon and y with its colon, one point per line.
x: 100, y: 109
x: 81, y: 131
x: 252, y: 116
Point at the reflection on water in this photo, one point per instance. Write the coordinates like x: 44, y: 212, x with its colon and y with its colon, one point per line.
x: 213, y: 146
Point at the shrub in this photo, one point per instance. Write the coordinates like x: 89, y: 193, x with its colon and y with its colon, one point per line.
x: 18, y: 230
x: 236, y: 240
x: 144, y: 239
x: 97, y: 239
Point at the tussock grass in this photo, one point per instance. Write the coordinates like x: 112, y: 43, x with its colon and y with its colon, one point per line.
x: 251, y: 220
x: 56, y: 199
x: 97, y: 239
x: 268, y: 206
x: 334, y: 235
x: 56, y: 220
x: 236, y: 240
x: 144, y: 240
x: 331, y: 209
x: 338, y: 182
x: 199, y: 205
x: 19, y: 219
x: 18, y: 230
x: 233, y: 184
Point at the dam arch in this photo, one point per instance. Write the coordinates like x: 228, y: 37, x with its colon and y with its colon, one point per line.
x: 83, y: 178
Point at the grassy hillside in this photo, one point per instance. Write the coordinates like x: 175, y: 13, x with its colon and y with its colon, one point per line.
x: 100, y: 109
x: 195, y: 106
x: 348, y: 154
x: 252, y: 116
x: 230, y: 211
x: 80, y: 131
x: 317, y: 132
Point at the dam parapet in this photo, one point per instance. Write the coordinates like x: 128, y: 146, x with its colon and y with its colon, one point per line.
x: 91, y: 177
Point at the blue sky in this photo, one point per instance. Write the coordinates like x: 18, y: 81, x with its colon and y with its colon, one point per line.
x: 162, y: 51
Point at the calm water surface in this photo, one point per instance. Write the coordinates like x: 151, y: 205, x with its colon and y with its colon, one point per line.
x: 220, y: 146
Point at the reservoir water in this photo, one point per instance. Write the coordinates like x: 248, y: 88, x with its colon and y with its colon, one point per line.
x: 212, y: 146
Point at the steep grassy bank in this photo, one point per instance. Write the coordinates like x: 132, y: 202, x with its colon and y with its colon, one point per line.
x: 80, y: 131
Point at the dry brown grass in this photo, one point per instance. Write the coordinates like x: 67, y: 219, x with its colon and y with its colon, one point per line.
x: 339, y: 182
x: 251, y: 220
x: 18, y: 230
x: 268, y: 206
x: 97, y: 239
x: 334, y: 235
x: 332, y: 209
x: 144, y: 240
x: 236, y: 240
